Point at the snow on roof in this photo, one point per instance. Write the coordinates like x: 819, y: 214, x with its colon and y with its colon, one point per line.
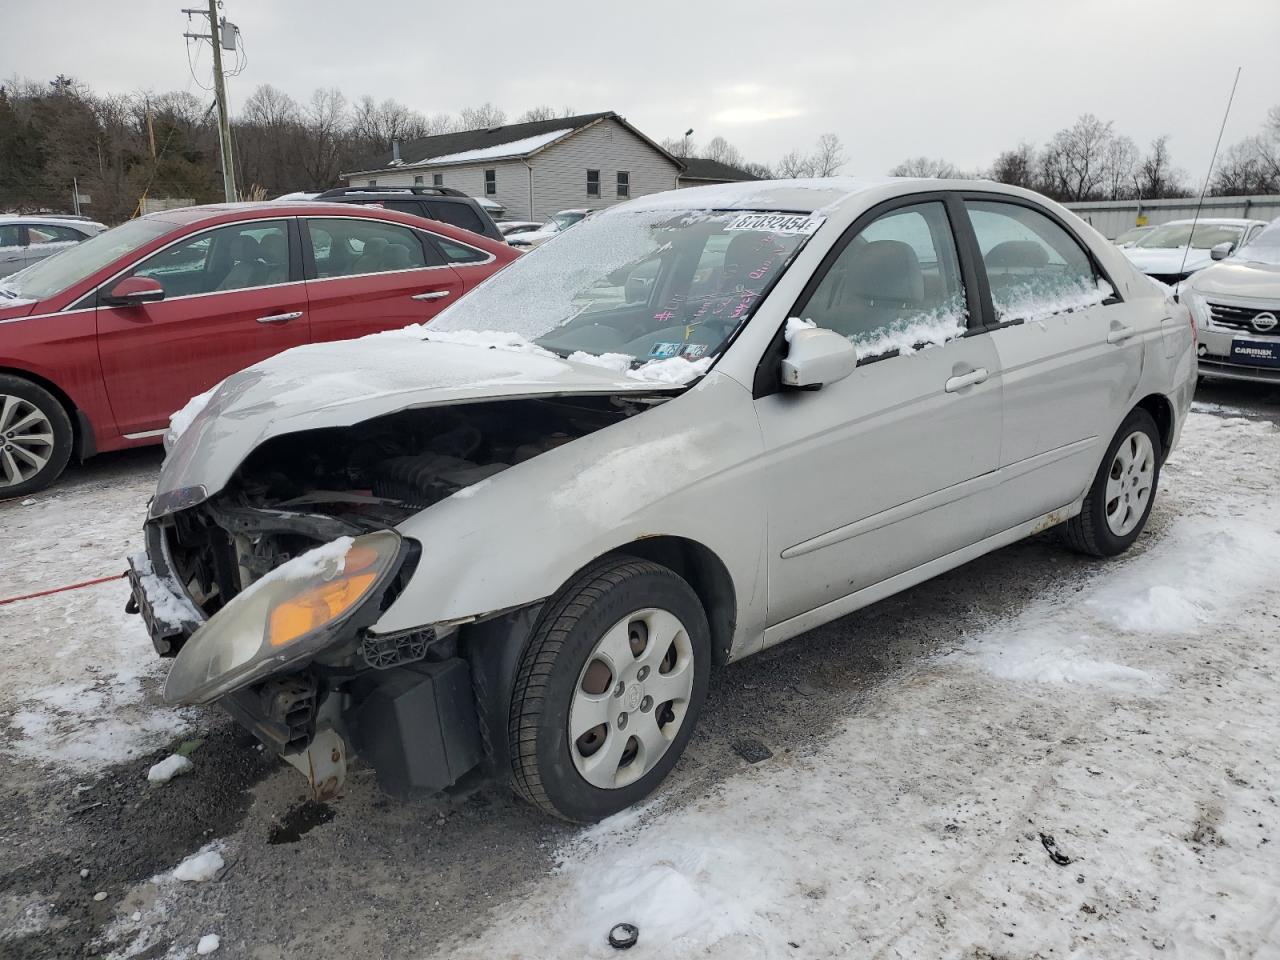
x: 500, y: 151
x: 801, y: 194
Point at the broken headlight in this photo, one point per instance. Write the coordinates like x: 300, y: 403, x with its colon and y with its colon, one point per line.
x: 288, y: 615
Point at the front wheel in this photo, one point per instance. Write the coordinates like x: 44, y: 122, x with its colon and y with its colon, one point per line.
x: 608, y: 690
x: 1118, y: 503
x: 35, y: 437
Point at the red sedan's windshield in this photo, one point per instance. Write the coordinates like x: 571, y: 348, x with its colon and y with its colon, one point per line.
x: 57, y: 273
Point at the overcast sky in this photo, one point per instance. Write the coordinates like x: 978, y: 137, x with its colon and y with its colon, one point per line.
x: 961, y: 79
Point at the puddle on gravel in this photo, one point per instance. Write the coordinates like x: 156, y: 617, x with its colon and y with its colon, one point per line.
x: 301, y: 820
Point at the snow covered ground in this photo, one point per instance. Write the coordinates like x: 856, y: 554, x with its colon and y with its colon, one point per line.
x: 1036, y: 756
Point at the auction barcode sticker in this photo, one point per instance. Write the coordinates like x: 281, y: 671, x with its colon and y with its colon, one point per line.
x: 777, y: 223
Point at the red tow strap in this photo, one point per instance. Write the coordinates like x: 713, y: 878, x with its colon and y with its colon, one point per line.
x: 74, y: 586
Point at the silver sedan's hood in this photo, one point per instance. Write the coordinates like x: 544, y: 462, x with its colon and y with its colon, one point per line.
x: 1167, y: 261
x: 346, y: 382
x: 1251, y: 279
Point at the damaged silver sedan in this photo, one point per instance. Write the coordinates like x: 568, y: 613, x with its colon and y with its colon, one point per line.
x: 520, y: 539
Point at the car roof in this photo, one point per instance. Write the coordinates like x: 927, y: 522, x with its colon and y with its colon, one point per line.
x: 47, y: 218
x: 799, y: 195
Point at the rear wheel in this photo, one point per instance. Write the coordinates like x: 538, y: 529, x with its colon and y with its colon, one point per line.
x: 1116, y: 508
x: 608, y: 690
x: 35, y: 437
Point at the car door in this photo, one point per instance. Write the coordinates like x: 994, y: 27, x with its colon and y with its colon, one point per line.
x: 1070, y: 349
x: 233, y: 297
x: 13, y: 254
x: 366, y: 275
x: 893, y: 466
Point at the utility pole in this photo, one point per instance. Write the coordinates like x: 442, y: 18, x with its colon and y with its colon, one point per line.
x: 220, y: 93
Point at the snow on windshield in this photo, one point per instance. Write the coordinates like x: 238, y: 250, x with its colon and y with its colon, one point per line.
x: 635, y: 288
x: 1264, y: 248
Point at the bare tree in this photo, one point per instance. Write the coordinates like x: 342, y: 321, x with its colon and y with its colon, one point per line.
x: 1120, y: 162
x: 1073, y: 165
x: 761, y: 170
x: 325, y: 124
x: 1017, y: 166
x: 1155, y: 176
x: 482, y: 117
x: 926, y: 167
x: 829, y: 157
x: 795, y: 164
x: 718, y: 148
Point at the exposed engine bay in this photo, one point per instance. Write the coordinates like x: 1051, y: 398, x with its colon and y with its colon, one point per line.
x: 301, y: 490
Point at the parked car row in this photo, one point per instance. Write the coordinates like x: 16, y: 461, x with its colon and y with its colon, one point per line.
x: 698, y: 424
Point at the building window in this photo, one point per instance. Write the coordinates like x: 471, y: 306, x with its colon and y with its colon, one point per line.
x: 372, y: 183
x: 417, y: 181
x: 624, y: 183
x: 593, y: 183
x: 490, y: 182
x: 437, y: 179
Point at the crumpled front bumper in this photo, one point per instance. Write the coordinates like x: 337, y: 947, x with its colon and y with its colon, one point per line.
x: 167, y: 612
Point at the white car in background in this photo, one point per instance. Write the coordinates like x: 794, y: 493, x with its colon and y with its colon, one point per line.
x: 699, y: 424
x: 1131, y: 236
x: 561, y: 222
x: 1170, y: 253
x: 1237, y: 307
x: 510, y: 228
x: 25, y: 240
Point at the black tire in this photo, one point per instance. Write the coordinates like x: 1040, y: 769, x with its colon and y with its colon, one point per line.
x: 58, y: 451
x: 1088, y: 532
x: 542, y: 768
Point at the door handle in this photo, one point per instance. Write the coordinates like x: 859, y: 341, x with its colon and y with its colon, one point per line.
x: 281, y: 317
x: 967, y: 380
x: 1119, y: 334
x: 430, y: 295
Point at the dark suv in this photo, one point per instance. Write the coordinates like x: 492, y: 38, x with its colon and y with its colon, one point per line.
x: 434, y: 203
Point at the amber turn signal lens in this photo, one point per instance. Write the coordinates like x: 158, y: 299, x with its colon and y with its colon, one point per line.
x: 319, y: 605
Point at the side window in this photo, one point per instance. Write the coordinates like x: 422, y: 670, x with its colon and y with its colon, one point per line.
x: 347, y: 248
x: 437, y: 179
x: 1035, y: 267
x: 9, y: 235
x: 624, y: 183
x: 52, y: 233
x: 593, y: 183
x: 418, y: 181
x: 457, y: 213
x: 458, y: 252
x: 896, y: 285
x: 234, y: 257
x: 490, y: 183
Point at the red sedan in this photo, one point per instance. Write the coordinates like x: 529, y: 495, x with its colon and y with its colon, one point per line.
x: 100, y: 344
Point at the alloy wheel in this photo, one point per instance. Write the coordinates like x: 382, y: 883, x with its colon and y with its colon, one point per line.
x: 631, y: 698
x: 26, y: 440
x: 1129, y: 483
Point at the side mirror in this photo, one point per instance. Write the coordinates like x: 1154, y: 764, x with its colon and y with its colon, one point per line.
x: 134, y: 291
x: 1222, y: 250
x: 817, y: 357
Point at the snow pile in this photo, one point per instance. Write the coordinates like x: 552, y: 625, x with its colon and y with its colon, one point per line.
x: 493, y: 339
x: 908, y: 336
x: 208, y: 943
x: 167, y: 600
x: 1037, y: 298
x: 512, y: 148
x: 200, y: 867
x: 327, y: 560
x: 617, y: 362
x: 794, y: 325
x: 174, y: 765
x: 671, y: 370
x: 180, y: 421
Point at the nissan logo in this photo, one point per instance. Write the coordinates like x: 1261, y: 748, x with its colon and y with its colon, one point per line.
x: 1263, y: 322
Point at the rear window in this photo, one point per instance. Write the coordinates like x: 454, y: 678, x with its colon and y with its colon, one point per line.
x: 458, y: 214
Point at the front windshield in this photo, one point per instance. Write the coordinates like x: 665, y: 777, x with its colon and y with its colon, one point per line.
x: 49, y: 276
x: 1263, y: 248
x: 1132, y: 234
x: 562, y: 221
x: 1174, y: 235
x: 637, y: 286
